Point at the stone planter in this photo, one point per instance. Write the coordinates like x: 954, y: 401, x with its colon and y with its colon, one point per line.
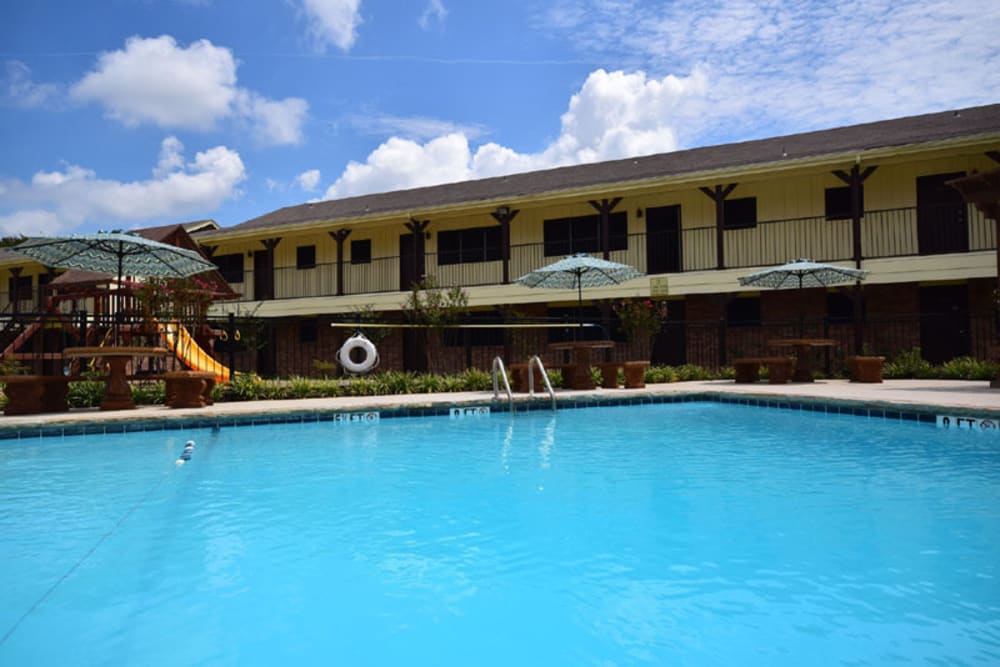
x: 635, y: 374
x: 24, y: 394
x: 866, y: 369
x: 609, y: 375
x: 34, y: 394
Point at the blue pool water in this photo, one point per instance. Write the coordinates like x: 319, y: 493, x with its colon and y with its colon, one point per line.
x: 684, y: 534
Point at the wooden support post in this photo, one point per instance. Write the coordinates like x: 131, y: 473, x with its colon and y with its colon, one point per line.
x: 605, y: 207
x: 718, y: 195
x: 855, y: 180
x: 504, y: 215
x: 339, y: 236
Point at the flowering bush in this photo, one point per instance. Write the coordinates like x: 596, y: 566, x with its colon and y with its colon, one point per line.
x: 181, y: 299
x: 641, y: 320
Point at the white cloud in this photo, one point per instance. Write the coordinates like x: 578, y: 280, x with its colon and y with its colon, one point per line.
x: 308, y: 180
x: 155, y: 80
x: 333, y: 22
x: 59, y: 201
x: 613, y: 115
x: 402, y: 163
x: 411, y: 127
x: 171, y: 157
x: 21, y: 91
x: 274, y: 122
x: 785, y: 67
x: 434, y: 11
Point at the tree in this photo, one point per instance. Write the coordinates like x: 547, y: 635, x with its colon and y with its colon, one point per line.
x: 432, y: 308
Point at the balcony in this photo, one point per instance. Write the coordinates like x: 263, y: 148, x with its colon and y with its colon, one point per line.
x: 902, y: 232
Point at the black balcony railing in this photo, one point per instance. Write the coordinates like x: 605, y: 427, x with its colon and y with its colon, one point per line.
x: 897, y: 232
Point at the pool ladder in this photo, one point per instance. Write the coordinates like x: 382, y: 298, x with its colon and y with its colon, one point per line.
x: 499, y: 372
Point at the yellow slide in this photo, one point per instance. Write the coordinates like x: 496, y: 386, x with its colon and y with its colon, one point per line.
x: 187, y: 350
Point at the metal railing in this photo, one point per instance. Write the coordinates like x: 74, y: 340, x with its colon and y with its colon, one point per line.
x: 884, y: 233
x: 898, y: 232
x: 282, y: 348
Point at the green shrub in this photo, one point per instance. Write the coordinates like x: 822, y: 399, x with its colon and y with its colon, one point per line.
x: 399, y: 382
x: 327, y: 388
x: 149, y: 392
x: 690, y: 372
x: 658, y: 375
x: 299, y: 387
x: 474, y: 379
x: 86, y: 394
x: 246, y: 387
x: 967, y: 368
x: 908, y: 364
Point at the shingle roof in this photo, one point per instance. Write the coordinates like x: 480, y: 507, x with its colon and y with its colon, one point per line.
x: 882, y: 134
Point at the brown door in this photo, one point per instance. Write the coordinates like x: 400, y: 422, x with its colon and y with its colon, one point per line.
x: 663, y: 239
x: 263, y: 275
x: 944, y: 322
x: 411, y: 260
x: 942, y: 225
x: 670, y: 345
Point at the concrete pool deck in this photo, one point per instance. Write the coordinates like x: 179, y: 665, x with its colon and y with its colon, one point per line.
x: 927, y: 397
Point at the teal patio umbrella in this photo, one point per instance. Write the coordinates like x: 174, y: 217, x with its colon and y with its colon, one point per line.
x: 579, y: 271
x: 801, y: 273
x: 115, y: 253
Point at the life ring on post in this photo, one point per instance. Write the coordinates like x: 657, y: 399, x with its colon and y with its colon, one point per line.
x: 358, y: 342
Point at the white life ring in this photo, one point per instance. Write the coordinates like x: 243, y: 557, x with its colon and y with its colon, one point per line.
x: 358, y: 341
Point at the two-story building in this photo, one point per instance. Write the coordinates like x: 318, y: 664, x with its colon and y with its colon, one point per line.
x: 874, y: 196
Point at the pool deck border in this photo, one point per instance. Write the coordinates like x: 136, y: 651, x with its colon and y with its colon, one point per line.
x: 911, y: 400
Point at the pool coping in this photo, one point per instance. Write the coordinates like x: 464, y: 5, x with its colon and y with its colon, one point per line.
x: 831, y: 397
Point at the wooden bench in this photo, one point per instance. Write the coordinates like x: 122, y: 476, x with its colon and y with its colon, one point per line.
x: 518, y: 376
x: 34, y: 394
x: 189, y: 389
x: 635, y: 374
x: 779, y: 369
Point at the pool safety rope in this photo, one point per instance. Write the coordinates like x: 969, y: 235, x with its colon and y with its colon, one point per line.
x: 188, y: 450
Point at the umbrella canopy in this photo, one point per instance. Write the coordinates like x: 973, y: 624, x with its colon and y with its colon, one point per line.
x: 115, y: 253
x: 579, y: 271
x: 801, y: 273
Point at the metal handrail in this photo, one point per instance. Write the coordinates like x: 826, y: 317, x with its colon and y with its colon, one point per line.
x: 498, y: 364
x: 545, y: 379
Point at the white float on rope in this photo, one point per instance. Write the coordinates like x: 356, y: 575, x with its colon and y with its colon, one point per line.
x: 358, y: 342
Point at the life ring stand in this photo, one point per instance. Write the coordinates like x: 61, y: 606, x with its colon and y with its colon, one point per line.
x: 358, y: 342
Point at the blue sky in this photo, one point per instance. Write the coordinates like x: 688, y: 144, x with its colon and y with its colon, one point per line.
x: 117, y: 114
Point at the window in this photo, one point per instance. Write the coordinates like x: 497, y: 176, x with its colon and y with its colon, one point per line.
x: 361, y: 251
x: 743, y: 312
x: 740, y: 213
x: 478, y: 244
x: 305, y: 257
x: 308, y: 331
x: 566, y: 236
x: 19, y: 288
x: 839, y: 308
x: 230, y: 266
x: 838, y: 203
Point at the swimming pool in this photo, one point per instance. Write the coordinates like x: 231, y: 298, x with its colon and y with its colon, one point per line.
x: 693, y: 533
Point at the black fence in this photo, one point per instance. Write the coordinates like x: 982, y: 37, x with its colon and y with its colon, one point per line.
x: 308, y: 346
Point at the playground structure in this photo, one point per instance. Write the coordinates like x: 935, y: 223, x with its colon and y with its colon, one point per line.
x: 80, y: 309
